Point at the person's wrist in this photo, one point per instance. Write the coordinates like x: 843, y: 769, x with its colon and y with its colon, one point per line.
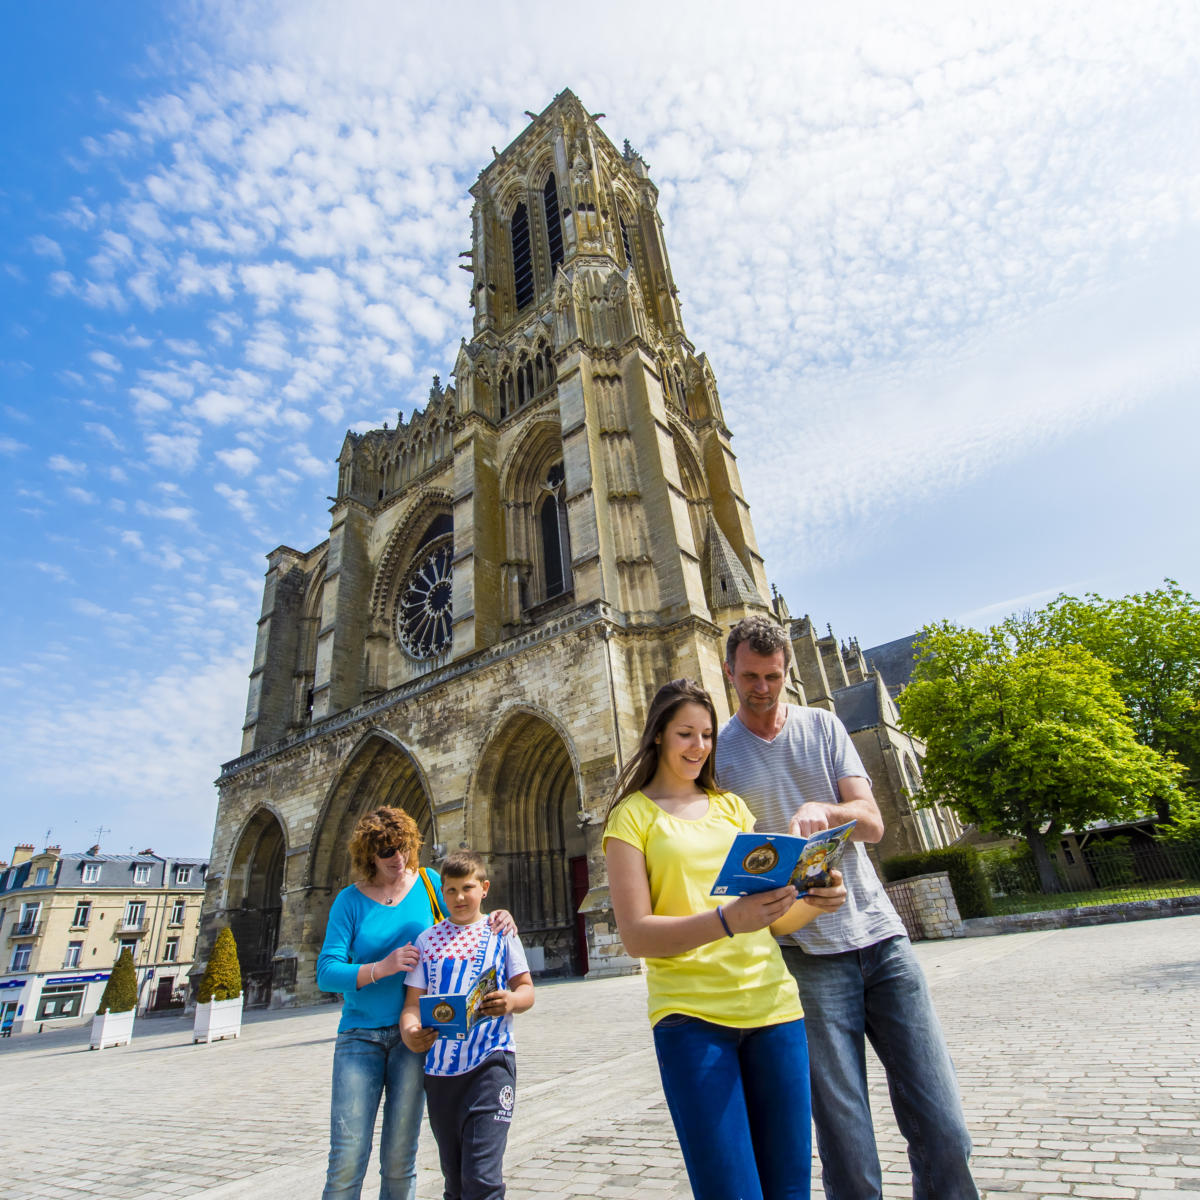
x: 724, y: 922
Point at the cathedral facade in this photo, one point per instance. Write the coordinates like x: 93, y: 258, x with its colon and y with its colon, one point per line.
x: 509, y: 576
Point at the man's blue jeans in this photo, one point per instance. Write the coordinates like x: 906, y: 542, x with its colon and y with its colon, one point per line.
x: 739, y: 1100
x: 367, y: 1064
x: 880, y: 993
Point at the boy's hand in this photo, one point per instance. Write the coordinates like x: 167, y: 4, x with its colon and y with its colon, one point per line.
x: 498, y: 1004
x: 418, y: 1040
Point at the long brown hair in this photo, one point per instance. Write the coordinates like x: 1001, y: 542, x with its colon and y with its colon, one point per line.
x: 640, y: 769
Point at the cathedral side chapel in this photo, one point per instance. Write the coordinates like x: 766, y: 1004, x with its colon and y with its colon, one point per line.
x: 509, y: 576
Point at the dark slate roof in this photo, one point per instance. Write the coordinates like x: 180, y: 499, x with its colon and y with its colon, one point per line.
x: 894, y: 661
x: 116, y: 871
x: 857, y: 706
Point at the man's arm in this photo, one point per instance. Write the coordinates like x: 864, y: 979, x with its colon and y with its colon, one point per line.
x: 858, y: 804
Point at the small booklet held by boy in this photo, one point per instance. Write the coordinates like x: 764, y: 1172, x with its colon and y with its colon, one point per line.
x: 454, y: 1014
x: 758, y: 862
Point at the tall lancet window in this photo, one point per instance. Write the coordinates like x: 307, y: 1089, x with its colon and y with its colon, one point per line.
x: 522, y: 257
x: 556, y: 548
x: 553, y: 222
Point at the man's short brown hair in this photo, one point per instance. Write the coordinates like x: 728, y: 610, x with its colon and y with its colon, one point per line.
x: 464, y: 863
x: 762, y: 635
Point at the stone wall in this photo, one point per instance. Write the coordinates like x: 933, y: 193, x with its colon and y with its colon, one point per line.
x: 927, y: 906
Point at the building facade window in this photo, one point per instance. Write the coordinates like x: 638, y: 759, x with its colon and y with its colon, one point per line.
x: 91, y: 872
x: 552, y: 521
x: 130, y: 944
x: 135, y: 914
x: 554, y: 232
x: 29, y: 919
x: 73, y: 955
x: 183, y: 875
x: 62, y: 1000
x: 83, y: 914
x: 41, y: 877
x: 178, y: 907
x: 522, y: 256
x: 20, y: 957
x: 171, y: 950
x: 141, y: 873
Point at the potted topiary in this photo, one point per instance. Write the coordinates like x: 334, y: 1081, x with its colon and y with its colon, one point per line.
x: 113, y: 1023
x: 219, y: 1004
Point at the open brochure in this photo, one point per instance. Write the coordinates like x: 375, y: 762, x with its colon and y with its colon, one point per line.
x: 758, y: 862
x: 454, y: 1014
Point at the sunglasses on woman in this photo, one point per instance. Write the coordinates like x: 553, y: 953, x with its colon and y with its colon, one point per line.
x: 387, y: 851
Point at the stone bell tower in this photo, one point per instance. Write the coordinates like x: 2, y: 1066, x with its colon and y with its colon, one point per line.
x: 509, y: 576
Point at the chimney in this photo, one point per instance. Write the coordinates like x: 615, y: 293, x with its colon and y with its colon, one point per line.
x: 22, y: 853
x: 52, y: 850
x: 147, y: 851
x: 94, y: 849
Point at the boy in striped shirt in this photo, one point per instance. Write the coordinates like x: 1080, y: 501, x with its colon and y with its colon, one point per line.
x: 470, y: 1084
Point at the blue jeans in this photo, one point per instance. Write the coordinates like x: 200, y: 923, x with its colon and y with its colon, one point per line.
x: 739, y: 1100
x: 880, y: 993
x: 367, y: 1064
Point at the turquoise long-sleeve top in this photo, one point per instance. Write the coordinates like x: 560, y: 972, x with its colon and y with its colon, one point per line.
x: 362, y: 930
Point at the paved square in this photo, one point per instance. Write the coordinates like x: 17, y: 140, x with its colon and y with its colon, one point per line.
x: 1078, y: 1051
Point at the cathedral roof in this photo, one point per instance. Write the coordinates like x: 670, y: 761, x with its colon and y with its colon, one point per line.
x: 727, y: 583
x: 857, y: 706
x: 894, y: 661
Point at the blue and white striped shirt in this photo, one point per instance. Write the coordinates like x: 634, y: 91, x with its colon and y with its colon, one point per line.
x: 453, y: 957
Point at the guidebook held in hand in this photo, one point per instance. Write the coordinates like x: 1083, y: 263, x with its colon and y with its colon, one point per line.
x: 453, y: 1014
x: 758, y: 862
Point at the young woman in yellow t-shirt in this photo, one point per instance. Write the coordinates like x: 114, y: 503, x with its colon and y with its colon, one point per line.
x: 728, y: 1029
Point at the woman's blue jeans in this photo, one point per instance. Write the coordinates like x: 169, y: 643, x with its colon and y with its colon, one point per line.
x: 368, y: 1064
x: 739, y: 1100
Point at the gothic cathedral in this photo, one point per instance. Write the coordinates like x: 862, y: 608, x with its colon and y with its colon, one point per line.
x: 509, y: 575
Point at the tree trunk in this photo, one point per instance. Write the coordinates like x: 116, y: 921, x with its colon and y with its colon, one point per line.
x: 1047, y: 876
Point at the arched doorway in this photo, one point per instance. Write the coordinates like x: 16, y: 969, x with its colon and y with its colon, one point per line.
x: 528, y: 800
x: 254, y: 901
x: 380, y: 772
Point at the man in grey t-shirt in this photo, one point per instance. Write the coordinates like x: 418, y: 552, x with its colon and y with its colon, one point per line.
x: 797, y: 769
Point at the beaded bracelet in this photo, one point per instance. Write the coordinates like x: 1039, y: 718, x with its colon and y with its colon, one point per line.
x: 721, y: 918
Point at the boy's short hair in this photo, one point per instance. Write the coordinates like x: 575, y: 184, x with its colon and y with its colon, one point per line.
x: 462, y: 863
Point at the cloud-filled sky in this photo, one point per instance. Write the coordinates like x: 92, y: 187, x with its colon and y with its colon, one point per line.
x: 944, y: 265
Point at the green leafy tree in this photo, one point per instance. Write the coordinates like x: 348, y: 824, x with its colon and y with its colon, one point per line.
x: 222, y: 978
x: 1027, y: 743
x: 120, y: 992
x: 1152, y: 642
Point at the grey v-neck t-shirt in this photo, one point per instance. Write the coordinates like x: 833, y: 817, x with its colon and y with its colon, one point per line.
x: 803, y: 762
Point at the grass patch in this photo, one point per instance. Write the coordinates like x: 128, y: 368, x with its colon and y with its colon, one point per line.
x: 1027, y: 903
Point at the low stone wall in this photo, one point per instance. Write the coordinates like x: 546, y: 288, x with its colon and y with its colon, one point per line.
x: 926, y: 905
x: 606, y: 952
x: 1094, y: 914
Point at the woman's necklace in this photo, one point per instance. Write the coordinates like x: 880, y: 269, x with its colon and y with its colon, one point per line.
x: 392, y: 899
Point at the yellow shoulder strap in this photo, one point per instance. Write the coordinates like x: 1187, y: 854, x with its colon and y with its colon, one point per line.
x: 431, y: 891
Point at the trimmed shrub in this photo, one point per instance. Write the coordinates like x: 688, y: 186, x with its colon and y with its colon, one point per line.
x: 1010, y: 870
x: 961, y: 863
x: 120, y: 992
x: 1112, y: 862
x: 223, y: 975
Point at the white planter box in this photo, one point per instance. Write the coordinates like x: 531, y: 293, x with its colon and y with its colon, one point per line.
x: 217, y: 1019
x: 112, y: 1029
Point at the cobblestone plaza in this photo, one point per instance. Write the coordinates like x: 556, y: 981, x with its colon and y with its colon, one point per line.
x: 1078, y: 1051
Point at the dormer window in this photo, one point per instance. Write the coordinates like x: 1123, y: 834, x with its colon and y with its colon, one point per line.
x: 91, y: 872
x: 141, y: 873
x: 183, y: 875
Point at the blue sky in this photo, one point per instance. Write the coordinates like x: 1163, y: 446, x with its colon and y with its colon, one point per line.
x: 944, y: 265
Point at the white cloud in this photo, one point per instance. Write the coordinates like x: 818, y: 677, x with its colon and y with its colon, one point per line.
x: 66, y: 466
x: 166, y: 512
x: 176, y: 451
x: 10, y: 445
x: 46, y: 247
x: 241, y: 461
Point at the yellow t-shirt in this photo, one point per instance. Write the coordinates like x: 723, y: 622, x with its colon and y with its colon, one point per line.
x: 739, y: 981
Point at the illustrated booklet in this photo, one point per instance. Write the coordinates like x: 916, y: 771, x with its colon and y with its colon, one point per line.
x: 758, y: 862
x: 454, y: 1014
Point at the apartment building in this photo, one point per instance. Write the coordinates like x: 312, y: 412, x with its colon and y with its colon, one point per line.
x: 64, y: 919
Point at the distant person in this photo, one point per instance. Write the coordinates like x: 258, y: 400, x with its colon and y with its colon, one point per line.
x: 369, y: 945
x: 798, y: 770
x: 728, y: 1028
x: 470, y: 1085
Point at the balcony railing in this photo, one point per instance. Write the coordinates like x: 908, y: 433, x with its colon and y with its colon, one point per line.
x: 124, y: 925
x: 25, y: 929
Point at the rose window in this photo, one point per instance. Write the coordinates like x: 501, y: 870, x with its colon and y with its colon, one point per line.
x: 423, y: 609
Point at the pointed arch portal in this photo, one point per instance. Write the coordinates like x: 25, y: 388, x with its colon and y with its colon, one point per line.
x: 537, y: 848
x: 254, y: 900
